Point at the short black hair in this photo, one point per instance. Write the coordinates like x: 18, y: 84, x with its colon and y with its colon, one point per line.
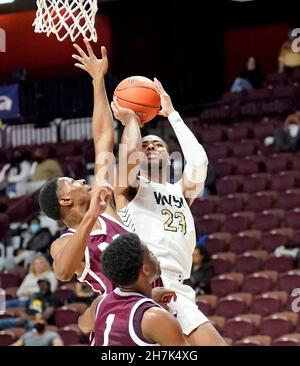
x: 123, y: 259
x: 48, y: 199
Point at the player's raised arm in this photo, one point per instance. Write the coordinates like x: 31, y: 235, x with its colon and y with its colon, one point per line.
x: 129, y: 150
x: 161, y: 327
x: 195, y: 170
x: 102, y: 123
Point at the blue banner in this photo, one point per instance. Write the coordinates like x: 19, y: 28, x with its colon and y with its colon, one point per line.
x: 9, y: 101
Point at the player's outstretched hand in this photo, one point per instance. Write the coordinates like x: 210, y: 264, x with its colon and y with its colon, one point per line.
x: 163, y: 296
x: 165, y: 100
x: 124, y: 114
x: 99, y: 199
x: 88, y: 62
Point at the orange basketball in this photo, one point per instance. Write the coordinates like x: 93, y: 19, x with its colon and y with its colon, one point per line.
x: 139, y: 94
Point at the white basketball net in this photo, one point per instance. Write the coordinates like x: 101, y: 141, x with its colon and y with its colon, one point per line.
x: 66, y: 18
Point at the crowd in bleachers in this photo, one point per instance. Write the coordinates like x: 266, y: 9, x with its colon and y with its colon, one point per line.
x: 251, y: 225
x: 248, y: 222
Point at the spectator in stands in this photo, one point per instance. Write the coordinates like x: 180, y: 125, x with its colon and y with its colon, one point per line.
x: 39, y: 336
x: 39, y: 269
x: 249, y: 79
x: 288, y: 59
x: 201, y: 272
x: 15, y: 172
x: 287, y: 137
x: 34, y: 239
x: 42, y: 302
x: 42, y: 170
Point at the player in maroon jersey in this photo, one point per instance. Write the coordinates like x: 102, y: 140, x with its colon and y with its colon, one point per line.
x: 92, y: 221
x: 129, y: 316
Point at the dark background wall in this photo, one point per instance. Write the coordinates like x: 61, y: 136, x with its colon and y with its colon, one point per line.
x: 196, y: 48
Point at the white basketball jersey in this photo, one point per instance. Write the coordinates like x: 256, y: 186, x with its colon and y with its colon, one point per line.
x: 161, y: 217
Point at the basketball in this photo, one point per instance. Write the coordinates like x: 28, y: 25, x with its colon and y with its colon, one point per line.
x: 139, y: 94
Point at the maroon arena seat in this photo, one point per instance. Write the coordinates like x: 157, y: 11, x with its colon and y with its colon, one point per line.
x: 247, y: 263
x: 244, y: 148
x: 229, y: 205
x: 203, y: 206
x: 7, y: 338
x: 292, y: 218
x: 257, y: 283
x: 266, y: 304
x: 276, y: 163
x: 255, y: 183
x: 282, y: 182
x: 227, y: 185
x: 275, y: 326
x: 242, y: 243
x: 227, y: 283
x: 69, y: 336
x: 280, y: 264
x: 230, y: 307
x: 237, y: 132
x: 247, y: 167
x: 289, y: 199
x: 289, y: 280
x: 9, y: 280
x: 238, y: 328
x: 65, y: 316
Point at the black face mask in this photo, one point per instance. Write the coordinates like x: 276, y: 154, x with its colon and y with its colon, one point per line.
x: 40, y: 327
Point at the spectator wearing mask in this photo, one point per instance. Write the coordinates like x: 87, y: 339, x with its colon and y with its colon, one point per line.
x: 39, y: 336
x: 249, y: 79
x: 16, y: 172
x: 287, y: 137
x: 201, y: 272
x: 42, y: 302
x: 34, y: 239
x: 39, y: 269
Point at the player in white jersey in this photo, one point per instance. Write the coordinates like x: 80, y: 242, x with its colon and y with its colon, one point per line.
x: 159, y: 211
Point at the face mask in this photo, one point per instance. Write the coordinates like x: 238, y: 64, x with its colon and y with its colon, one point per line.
x: 34, y: 228
x: 293, y: 130
x: 40, y: 327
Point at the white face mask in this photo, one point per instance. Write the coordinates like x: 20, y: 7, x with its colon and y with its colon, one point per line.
x: 293, y: 129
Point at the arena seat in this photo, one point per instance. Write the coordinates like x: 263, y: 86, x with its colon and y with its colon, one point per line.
x: 238, y: 328
x: 260, y: 201
x: 276, y: 238
x: 289, y: 199
x: 215, y: 244
x: 292, y: 218
x: 7, y: 338
x: 230, y: 205
x: 292, y: 339
x: 226, y: 283
x: 289, y: 280
x: 241, y: 243
x: 267, y: 304
x: 230, y: 306
x: 65, y: 316
x: 257, y: 283
x: 257, y: 340
x: 280, y: 264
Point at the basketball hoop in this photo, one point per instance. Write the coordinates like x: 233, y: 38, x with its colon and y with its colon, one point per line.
x: 66, y: 18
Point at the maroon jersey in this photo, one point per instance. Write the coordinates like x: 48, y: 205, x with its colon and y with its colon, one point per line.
x: 97, y: 242
x: 118, y: 319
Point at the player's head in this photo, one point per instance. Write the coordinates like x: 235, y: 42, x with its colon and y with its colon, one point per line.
x: 156, y: 152
x: 61, y: 194
x: 127, y: 260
